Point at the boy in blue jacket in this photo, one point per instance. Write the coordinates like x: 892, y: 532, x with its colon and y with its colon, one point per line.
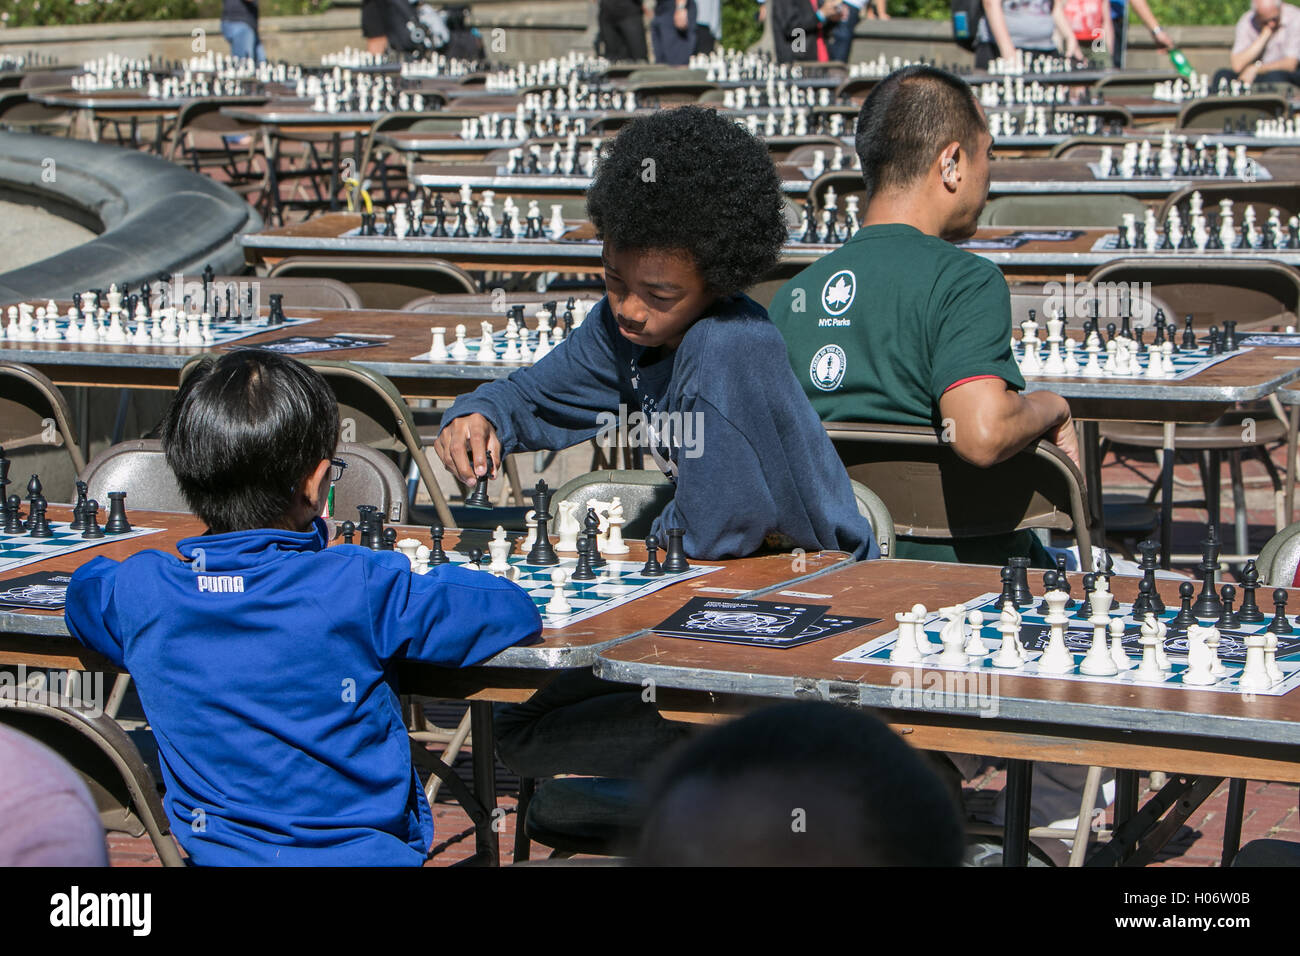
x: 690, y: 211
x: 262, y: 656
x: 689, y: 208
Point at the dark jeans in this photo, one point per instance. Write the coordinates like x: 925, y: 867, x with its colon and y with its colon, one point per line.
x: 842, y: 35
x: 580, y: 724
x: 1272, y: 76
x: 624, y: 35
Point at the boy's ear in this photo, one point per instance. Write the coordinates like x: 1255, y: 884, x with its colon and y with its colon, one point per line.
x: 313, y: 480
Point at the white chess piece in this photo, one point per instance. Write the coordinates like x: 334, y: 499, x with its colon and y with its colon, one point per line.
x: 953, y: 636
x: 409, y: 547
x: 1270, y: 657
x: 530, y: 522
x: 558, y: 604
x: 1162, y: 631
x: 975, y: 645
x: 1217, y: 667
x: 1199, y: 659
x: 1255, y: 676
x: 904, y: 650
x: 1149, y: 668
x: 923, y: 643
x: 487, y: 346
x: 1117, y: 652
x: 1008, y: 653
x: 568, y: 527
x: 614, y: 544
x: 499, y: 549
x: 1098, y: 662
x: 459, y: 348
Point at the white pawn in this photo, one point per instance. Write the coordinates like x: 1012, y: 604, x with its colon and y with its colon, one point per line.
x: 558, y: 604
x: 1270, y: 657
x: 1071, y: 361
x: 1162, y: 631
x: 923, y: 643
x: 511, y: 354
x: 421, y: 565
x: 459, y: 348
x: 557, y: 221
x: 975, y: 645
x: 543, y: 345
x: 1117, y: 652
x: 530, y: 523
x: 614, y: 543
x: 1212, y: 642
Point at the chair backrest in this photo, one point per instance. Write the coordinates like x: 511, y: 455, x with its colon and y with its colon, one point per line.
x: 1075, y: 301
x: 385, y: 283
x: 36, y: 431
x: 1122, y: 84
x: 124, y: 790
x: 1211, y: 112
x: 1280, y: 558
x: 845, y: 182
x: 931, y: 492
x: 140, y: 469
x: 204, y: 115
x: 1060, y: 210
x: 371, y: 478
x: 1255, y: 294
x: 1086, y: 147
x: 871, y: 507
x: 480, y: 303
x: 1263, y: 196
x: 643, y: 494
x: 299, y: 293
x: 671, y: 92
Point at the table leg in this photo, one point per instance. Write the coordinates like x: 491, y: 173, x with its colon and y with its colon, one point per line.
x: 1015, y: 827
x: 485, y: 778
x: 1232, y: 821
x: 1167, y: 455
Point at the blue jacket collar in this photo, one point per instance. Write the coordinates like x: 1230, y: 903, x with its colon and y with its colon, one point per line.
x: 243, y: 549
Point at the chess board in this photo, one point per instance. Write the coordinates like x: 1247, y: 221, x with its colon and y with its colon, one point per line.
x: 474, y: 345
x: 426, y: 232
x: 1187, y: 362
x: 1256, y: 173
x: 1078, y: 638
x: 224, y: 332
x: 618, y: 583
x: 19, y: 550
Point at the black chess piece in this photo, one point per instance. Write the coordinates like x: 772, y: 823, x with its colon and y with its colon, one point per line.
x: 33, y: 491
x: 1149, y: 563
x: 475, y: 557
x: 349, y: 530
x: 1230, y: 336
x: 91, y: 517
x: 478, y: 498
x: 652, y: 567
x: 462, y: 230
x: 1089, y: 585
x: 1020, y: 565
x: 1279, y: 624
x: 1107, y: 569
x: 1228, y: 619
x: 436, y: 554
x: 590, y: 530
x: 1250, y: 612
x: 542, y: 551
x: 1185, y: 617
x: 388, y: 540
x: 1189, y: 334
x: 13, y: 515
x: 1063, y: 581
x: 117, y: 522
x: 1049, y: 584
x: 1008, y: 595
x: 276, y: 316
x: 1142, y: 606
x: 39, y: 526
x: 582, y: 571
x: 1207, y: 604
x: 4, y: 476
x: 675, y: 556
x: 77, y: 523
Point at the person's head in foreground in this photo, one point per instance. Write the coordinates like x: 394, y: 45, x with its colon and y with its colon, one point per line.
x: 925, y: 150
x: 249, y: 437
x: 690, y: 210
x: 800, y: 784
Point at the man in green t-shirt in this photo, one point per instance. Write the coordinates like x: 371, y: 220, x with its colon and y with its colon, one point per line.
x: 900, y: 326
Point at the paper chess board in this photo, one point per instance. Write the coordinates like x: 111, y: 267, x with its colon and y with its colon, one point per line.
x: 223, y: 332
x: 1187, y: 362
x: 18, y: 550
x: 618, y: 583
x: 1078, y: 638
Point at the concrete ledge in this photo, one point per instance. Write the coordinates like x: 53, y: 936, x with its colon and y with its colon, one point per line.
x: 156, y: 216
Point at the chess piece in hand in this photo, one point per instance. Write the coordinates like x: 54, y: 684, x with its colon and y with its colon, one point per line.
x: 469, y: 447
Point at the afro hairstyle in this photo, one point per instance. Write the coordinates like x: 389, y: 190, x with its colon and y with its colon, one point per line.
x: 690, y: 179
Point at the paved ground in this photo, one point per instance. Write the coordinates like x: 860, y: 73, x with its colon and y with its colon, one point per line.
x: 33, y: 234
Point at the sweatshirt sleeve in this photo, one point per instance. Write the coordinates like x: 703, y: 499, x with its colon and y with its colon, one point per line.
x: 794, y: 14
x: 556, y: 402
x: 89, y: 610
x: 450, y: 616
x: 725, y: 509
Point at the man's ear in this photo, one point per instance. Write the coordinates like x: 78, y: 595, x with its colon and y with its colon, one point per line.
x: 948, y: 161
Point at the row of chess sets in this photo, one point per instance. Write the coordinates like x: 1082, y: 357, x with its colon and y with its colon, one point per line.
x: 522, y: 124
x: 777, y: 94
x: 35, y: 524
x: 562, y: 159
x: 1212, y: 232
x: 735, y: 66
x: 1195, y: 87
x: 1176, y: 157
x: 574, y: 67
x: 187, y: 85
x: 1051, y: 121
x: 826, y: 226
x: 801, y: 121
x: 1202, y: 623
x: 1026, y: 61
x: 522, y: 344
x: 470, y: 220
x: 113, y: 71
x: 1014, y: 91
x: 1280, y: 127
x: 114, y: 317
x: 359, y: 92
x: 1124, y: 347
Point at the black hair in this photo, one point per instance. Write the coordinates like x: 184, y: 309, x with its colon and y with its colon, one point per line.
x: 242, y: 432
x: 690, y: 179
x: 908, y: 119
x: 735, y: 796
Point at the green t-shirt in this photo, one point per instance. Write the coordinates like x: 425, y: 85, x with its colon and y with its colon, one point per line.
x: 880, y: 328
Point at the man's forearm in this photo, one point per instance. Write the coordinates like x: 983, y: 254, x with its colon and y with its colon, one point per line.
x: 1286, y: 64
x: 1249, y: 55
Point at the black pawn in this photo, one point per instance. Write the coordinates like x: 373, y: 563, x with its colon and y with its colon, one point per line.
x: 582, y: 571
x: 1049, y: 584
x: 478, y: 498
x: 1228, y: 619
x: 1142, y: 606
x: 13, y: 515
x: 349, y: 530
x: 40, y: 527
x: 675, y: 556
x: 91, y: 517
x: 389, y: 540
x: 1063, y: 581
x: 542, y: 552
x: 475, y: 556
x: 117, y: 523
x: 436, y: 554
x: 1279, y: 624
x: 652, y: 567
x: 1185, y: 618
x: 1089, y: 585
x: 1250, y: 612
x: 1008, y: 595
x: 276, y: 316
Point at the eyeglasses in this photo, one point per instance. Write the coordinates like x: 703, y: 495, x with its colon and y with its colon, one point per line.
x: 336, y: 470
